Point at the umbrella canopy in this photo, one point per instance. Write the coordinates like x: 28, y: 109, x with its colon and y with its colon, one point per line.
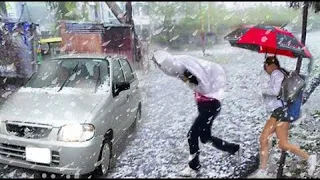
x: 268, y: 39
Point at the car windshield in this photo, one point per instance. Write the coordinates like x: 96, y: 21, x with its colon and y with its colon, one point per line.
x: 74, y: 73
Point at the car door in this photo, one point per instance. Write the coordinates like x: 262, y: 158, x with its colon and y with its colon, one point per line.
x: 120, y: 100
x: 133, y: 99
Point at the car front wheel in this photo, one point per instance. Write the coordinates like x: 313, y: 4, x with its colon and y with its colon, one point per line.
x: 103, y: 164
x: 105, y: 159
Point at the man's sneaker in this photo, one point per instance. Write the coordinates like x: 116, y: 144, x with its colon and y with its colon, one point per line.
x: 188, y: 172
x: 312, y: 163
x: 260, y: 173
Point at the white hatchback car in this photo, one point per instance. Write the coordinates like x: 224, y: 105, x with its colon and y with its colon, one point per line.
x: 70, y: 115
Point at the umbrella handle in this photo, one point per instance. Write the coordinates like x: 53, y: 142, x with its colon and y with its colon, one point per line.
x: 265, y: 56
x: 275, y: 54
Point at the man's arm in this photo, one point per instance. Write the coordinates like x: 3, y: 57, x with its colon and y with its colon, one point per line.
x: 190, y: 77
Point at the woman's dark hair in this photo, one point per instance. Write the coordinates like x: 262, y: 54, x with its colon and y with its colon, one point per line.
x: 273, y: 60
x: 190, y: 77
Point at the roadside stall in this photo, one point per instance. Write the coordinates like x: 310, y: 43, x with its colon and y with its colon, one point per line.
x: 47, y: 48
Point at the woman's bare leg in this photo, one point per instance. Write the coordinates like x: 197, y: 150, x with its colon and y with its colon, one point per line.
x: 268, y: 130
x: 282, y: 131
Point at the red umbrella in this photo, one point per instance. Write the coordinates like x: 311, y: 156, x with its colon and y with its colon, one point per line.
x: 268, y: 39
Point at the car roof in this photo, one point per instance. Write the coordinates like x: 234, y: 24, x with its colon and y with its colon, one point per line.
x: 88, y: 56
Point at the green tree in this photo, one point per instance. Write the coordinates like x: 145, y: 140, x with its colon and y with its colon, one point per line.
x: 176, y: 19
x: 164, y: 12
x: 67, y: 10
x: 184, y: 19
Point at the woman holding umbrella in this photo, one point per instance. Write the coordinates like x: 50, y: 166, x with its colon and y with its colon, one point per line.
x: 278, y: 121
x: 273, y: 40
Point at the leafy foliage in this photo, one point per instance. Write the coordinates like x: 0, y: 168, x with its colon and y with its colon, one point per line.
x: 185, y: 18
x: 67, y: 10
x: 298, y: 4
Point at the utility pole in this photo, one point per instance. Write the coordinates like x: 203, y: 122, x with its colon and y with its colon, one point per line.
x: 303, y: 32
x: 208, y: 16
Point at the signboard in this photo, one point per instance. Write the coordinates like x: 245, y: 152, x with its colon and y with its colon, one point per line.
x: 12, y: 10
x: 84, y: 27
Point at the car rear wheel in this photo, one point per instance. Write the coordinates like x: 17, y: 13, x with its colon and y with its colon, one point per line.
x: 137, y: 117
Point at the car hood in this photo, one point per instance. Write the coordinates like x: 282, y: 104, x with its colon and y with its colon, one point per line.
x: 49, y: 107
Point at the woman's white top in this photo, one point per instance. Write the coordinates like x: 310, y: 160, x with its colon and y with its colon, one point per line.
x: 272, y: 90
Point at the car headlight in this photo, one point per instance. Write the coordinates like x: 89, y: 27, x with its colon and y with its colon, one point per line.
x: 76, y: 132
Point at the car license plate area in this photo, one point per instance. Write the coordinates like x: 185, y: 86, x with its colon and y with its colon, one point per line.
x: 38, y: 155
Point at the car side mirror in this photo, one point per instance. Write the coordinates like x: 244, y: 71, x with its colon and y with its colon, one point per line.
x: 120, y: 86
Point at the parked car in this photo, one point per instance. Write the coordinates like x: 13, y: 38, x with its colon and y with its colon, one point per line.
x: 69, y: 116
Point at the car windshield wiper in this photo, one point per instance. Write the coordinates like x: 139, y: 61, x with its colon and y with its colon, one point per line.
x: 73, y: 71
x: 98, y: 79
x: 26, y: 84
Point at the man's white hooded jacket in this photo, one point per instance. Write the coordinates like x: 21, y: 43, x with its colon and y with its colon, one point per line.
x: 211, y: 76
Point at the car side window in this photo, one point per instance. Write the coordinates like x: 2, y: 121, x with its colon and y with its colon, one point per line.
x: 127, y: 70
x: 105, y: 74
x: 117, y: 72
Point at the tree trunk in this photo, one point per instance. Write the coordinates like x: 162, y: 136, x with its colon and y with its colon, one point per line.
x: 116, y: 11
x: 303, y: 31
x: 128, y: 13
x: 125, y: 18
x: 129, y: 20
x: 62, y: 7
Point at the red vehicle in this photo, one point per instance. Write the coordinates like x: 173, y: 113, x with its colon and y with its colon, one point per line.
x: 99, y: 38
